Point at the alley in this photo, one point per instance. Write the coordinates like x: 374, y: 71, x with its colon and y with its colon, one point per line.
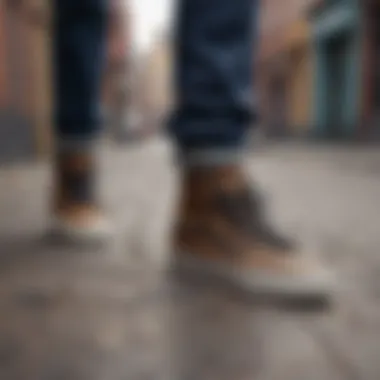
x: 113, y: 314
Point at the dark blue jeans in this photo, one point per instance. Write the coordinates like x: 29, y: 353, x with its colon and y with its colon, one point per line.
x: 213, y: 76
x: 78, y: 53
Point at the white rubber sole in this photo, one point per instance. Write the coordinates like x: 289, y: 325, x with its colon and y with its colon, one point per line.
x: 319, y: 286
x: 94, y: 234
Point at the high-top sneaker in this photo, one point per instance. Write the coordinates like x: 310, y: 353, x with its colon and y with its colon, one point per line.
x: 222, y: 233
x: 77, y: 216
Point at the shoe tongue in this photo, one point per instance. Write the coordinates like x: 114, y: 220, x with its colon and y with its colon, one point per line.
x: 208, y: 184
x: 231, y: 180
x: 76, y: 162
x: 226, y: 178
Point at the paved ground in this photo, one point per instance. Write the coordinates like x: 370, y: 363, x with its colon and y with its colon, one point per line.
x: 112, y: 315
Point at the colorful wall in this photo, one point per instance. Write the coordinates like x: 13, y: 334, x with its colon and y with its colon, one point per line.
x: 337, y: 44
x: 300, y: 84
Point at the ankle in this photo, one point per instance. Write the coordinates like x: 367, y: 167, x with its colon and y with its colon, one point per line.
x: 74, y: 179
x: 210, y: 157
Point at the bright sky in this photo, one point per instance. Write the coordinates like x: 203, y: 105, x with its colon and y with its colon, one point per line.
x: 149, y: 17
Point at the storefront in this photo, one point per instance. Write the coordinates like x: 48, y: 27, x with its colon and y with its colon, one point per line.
x: 273, y: 99
x: 300, y: 78
x: 337, y: 40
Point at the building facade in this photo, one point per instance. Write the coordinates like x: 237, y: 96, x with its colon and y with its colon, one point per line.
x: 298, y: 47
x: 284, y: 68
x: 370, y: 119
x: 338, y: 40
x: 318, y: 68
x: 22, y: 88
x: 156, y: 89
x: 26, y: 87
x: 117, y: 80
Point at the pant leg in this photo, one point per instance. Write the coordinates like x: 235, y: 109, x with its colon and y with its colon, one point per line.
x: 78, y: 47
x: 214, y: 68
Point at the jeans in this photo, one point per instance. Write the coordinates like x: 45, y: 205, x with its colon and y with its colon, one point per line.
x: 213, y: 70
x: 79, y: 37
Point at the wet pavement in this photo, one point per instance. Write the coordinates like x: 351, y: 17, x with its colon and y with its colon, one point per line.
x: 113, y: 313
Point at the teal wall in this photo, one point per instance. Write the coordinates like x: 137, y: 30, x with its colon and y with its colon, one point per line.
x: 337, y: 18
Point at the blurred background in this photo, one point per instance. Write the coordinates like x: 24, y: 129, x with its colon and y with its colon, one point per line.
x: 317, y: 72
x: 318, y: 68
x: 135, y: 75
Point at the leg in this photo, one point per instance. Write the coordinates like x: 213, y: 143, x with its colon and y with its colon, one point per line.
x: 221, y: 229
x: 214, y: 69
x: 79, y: 46
x: 79, y: 39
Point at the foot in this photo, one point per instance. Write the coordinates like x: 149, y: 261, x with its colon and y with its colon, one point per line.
x: 81, y: 225
x: 222, y: 233
x: 77, y: 217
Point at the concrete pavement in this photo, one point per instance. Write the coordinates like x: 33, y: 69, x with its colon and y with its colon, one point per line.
x: 113, y: 315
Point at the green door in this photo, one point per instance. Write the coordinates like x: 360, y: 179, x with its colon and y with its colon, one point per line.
x: 336, y: 51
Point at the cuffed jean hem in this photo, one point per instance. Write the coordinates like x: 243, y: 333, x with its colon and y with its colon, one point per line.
x: 211, y: 157
x: 76, y: 143
x: 210, y: 154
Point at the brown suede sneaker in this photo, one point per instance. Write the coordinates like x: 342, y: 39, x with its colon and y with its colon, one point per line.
x: 77, y: 217
x: 222, y: 232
